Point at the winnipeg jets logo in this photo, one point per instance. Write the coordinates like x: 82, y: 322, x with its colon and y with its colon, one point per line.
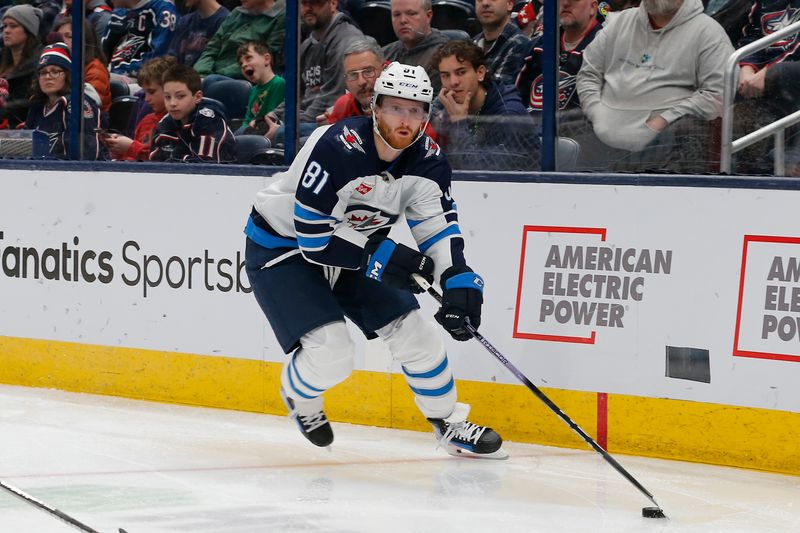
x: 367, y: 218
x: 432, y: 149
x: 362, y: 222
x: 350, y: 139
x: 363, y: 189
x: 207, y: 112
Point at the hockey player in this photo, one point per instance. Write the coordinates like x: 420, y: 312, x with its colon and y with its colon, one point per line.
x: 317, y: 251
x: 137, y: 32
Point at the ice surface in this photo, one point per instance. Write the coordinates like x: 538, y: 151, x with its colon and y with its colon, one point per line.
x: 149, y: 467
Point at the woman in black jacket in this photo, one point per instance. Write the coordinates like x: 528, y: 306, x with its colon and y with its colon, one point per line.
x: 21, y: 49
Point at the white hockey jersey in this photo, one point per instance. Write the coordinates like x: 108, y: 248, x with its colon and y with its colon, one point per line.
x: 338, y: 192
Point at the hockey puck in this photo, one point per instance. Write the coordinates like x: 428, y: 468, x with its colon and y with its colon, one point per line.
x: 653, y: 512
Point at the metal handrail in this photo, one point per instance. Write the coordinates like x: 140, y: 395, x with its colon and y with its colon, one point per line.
x: 729, y: 92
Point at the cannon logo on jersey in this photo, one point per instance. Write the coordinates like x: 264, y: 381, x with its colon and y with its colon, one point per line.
x: 364, y: 217
x: 777, y: 20
x: 129, y: 51
x: 432, y: 149
x: 566, y: 88
x: 350, y: 139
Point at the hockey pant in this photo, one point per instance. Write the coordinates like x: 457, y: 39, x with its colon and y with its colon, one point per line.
x: 326, y: 354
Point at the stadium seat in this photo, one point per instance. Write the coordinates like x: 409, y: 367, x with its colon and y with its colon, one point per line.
x: 567, y: 152
x: 455, y: 15
x: 119, y: 89
x: 119, y: 115
x: 257, y: 150
x: 233, y: 94
x: 374, y: 17
x: 456, y: 35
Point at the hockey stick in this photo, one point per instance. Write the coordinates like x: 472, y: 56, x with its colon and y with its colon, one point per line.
x: 43, y: 506
x: 422, y: 282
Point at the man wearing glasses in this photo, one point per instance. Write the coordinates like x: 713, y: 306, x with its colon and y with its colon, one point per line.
x: 363, y: 63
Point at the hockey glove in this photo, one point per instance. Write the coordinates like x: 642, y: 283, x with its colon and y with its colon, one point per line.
x: 462, y: 297
x: 393, y: 263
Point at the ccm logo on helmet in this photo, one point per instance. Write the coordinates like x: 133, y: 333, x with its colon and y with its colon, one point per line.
x: 406, y: 84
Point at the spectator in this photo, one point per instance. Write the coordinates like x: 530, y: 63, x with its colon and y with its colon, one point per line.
x: 97, y: 13
x: 195, y: 30
x: 503, y: 44
x: 362, y: 63
x: 95, y: 71
x: 50, y: 10
x: 416, y: 40
x: 138, y: 148
x: 579, y: 25
x: 322, y: 79
x: 138, y: 31
x: 21, y: 49
x: 194, y: 130
x: 526, y: 19
x: 651, y: 67
x: 767, y: 81
x: 50, y: 106
x: 268, y: 88
x: 468, y: 110
x: 255, y: 20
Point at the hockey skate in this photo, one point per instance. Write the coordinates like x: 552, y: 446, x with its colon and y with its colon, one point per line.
x: 314, y: 426
x: 460, y: 437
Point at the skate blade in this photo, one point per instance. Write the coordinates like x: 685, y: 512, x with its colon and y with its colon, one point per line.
x: 498, y: 455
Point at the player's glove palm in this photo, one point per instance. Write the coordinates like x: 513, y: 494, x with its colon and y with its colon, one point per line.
x: 462, y: 297
x: 393, y: 263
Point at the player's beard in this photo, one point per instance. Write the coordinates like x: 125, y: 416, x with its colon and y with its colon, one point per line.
x: 394, y: 140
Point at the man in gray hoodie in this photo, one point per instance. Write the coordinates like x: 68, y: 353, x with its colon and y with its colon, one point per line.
x: 416, y: 40
x: 648, y: 68
x: 321, y: 69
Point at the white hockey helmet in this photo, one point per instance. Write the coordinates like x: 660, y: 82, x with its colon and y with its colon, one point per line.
x: 404, y: 81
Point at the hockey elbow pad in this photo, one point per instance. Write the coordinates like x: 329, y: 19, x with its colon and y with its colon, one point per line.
x: 393, y: 263
x: 462, y: 298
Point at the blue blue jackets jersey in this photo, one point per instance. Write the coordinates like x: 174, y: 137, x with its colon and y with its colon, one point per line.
x: 767, y: 17
x: 205, y: 136
x: 54, y: 121
x: 338, y: 192
x: 135, y: 35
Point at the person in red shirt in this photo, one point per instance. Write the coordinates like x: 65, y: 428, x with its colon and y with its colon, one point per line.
x: 138, y: 148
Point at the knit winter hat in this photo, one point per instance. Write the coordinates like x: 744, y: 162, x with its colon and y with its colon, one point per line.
x: 55, y: 54
x: 29, y: 17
